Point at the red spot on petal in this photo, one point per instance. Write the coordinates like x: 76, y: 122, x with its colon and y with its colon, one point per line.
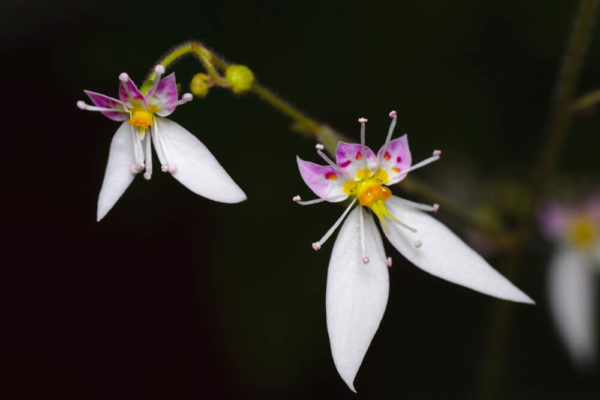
x: 359, y: 156
x: 387, y: 156
x: 345, y: 164
x: 331, y: 176
x: 399, y: 159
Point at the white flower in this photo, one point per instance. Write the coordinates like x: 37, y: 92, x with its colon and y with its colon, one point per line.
x: 572, y: 274
x: 180, y: 153
x: 357, y: 280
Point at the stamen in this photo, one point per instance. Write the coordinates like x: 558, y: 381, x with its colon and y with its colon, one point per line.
x: 435, y: 157
x: 319, y: 146
x: 159, y: 70
x: 123, y: 77
x: 391, y: 129
x: 137, y: 151
x: 436, y: 207
x: 82, y: 106
x: 402, y: 224
x: 363, y: 245
x: 161, y: 150
x: 184, y: 99
x: 388, y: 261
x: 418, y: 243
x: 363, y: 123
x: 418, y: 206
x: 317, y: 245
x: 296, y: 198
x: 148, y: 173
x: 334, y: 165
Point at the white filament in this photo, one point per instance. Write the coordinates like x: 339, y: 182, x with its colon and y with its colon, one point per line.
x: 335, y: 226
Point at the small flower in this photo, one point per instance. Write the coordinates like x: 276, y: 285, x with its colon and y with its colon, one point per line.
x: 180, y: 153
x: 575, y: 228
x: 357, y: 279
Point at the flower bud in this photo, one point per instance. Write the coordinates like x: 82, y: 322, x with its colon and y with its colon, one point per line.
x: 240, y: 78
x: 200, y: 85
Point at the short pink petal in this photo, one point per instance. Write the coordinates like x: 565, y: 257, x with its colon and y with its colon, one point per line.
x: 553, y: 219
x: 350, y: 157
x: 395, y: 158
x: 103, y: 101
x: 130, y: 94
x: 324, y: 180
x: 164, y: 95
x: 593, y: 206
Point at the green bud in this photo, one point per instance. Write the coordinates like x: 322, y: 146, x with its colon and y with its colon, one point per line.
x: 200, y: 85
x: 240, y: 78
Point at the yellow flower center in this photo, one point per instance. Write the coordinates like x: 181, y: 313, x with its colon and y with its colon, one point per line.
x: 141, y: 119
x: 369, y: 190
x: 583, y: 233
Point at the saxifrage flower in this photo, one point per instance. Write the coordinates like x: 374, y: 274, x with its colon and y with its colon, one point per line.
x: 572, y: 274
x: 357, y: 279
x: 180, y: 153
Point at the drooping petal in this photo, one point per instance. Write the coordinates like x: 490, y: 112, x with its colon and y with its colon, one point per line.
x: 395, y: 158
x: 350, y: 157
x: 104, y: 101
x: 130, y: 94
x: 445, y: 255
x: 165, y: 95
x: 324, y: 180
x: 572, y: 298
x: 357, y: 294
x: 195, y: 167
x: 118, y: 175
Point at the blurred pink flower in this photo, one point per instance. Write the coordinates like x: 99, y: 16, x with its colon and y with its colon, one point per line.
x: 575, y: 229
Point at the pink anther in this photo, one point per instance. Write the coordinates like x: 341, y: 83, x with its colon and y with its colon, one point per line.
x: 365, y: 260
x: 316, y: 246
x: 418, y: 244
x: 362, y: 120
x: 393, y: 114
x: 296, y: 198
x: 437, y: 153
x: 319, y: 146
x: 388, y: 261
x: 436, y: 207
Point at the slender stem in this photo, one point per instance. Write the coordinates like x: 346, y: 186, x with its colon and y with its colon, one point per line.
x: 558, y: 126
x: 586, y: 102
x: 322, y: 133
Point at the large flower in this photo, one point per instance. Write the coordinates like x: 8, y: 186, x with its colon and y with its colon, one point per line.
x: 357, y: 279
x: 571, y: 278
x: 180, y: 153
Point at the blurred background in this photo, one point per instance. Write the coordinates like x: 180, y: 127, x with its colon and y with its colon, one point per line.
x: 173, y: 296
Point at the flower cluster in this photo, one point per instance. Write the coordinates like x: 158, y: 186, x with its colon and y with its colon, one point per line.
x: 180, y: 153
x: 572, y: 273
x: 357, y: 279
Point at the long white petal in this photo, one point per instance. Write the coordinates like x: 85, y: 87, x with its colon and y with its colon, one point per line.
x: 357, y: 294
x: 196, y: 168
x: 445, y: 255
x: 118, y: 175
x: 571, y: 290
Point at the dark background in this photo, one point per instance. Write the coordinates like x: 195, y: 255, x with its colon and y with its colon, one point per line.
x: 173, y: 296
